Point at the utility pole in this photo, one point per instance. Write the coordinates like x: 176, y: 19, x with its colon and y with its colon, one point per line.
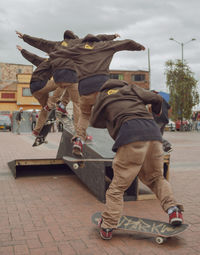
x: 149, y: 69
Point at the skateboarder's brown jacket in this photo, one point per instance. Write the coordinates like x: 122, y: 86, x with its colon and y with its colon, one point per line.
x: 43, y: 70
x: 119, y: 102
x: 94, y: 58
x: 48, y: 46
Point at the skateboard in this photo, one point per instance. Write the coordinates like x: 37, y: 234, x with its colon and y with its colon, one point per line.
x: 161, y: 230
x: 80, y: 162
x: 41, y: 138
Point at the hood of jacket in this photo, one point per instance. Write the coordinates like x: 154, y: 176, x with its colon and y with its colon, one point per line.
x: 68, y: 34
x: 90, y: 38
x: 113, y: 83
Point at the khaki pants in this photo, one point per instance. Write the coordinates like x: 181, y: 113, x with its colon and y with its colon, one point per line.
x: 42, y: 96
x: 86, y: 104
x: 60, y: 94
x: 18, y: 127
x: 70, y: 93
x: 142, y: 159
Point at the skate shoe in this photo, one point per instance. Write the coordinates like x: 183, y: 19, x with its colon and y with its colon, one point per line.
x: 167, y: 149
x: 176, y: 217
x: 61, y: 111
x: 77, y: 147
x: 35, y: 133
x: 46, y: 108
x: 88, y: 139
x: 105, y: 233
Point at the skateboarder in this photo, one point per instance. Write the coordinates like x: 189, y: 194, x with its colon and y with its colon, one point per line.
x: 64, y: 72
x: 92, y: 58
x: 40, y: 84
x: 121, y: 108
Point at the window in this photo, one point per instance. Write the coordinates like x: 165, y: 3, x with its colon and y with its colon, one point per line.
x: 138, y: 77
x: 19, y: 70
x: 8, y: 95
x: 116, y: 76
x: 26, y: 92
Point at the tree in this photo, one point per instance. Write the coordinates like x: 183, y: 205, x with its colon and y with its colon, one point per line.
x: 183, y: 89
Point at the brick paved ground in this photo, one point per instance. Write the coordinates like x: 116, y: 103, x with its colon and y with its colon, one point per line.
x: 51, y: 215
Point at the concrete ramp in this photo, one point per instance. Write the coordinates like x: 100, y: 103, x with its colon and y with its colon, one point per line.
x: 98, y: 175
x: 38, y: 167
x: 95, y: 175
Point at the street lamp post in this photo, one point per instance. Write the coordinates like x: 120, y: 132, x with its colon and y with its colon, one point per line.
x: 182, y: 45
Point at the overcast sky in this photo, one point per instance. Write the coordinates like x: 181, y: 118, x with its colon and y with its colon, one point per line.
x: 149, y: 22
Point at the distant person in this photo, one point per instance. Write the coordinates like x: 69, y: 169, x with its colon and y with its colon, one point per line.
x: 19, y: 118
x: 162, y: 121
x: 33, y: 119
x: 121, y: 108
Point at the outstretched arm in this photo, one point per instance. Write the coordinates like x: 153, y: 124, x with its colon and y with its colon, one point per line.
x: 33, y: 58
x: 39, y: 43
x: 105, y: 37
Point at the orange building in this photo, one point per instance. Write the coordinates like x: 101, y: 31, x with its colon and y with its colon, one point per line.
x: 17, y: 95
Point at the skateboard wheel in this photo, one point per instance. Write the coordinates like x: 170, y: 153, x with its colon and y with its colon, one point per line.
x: 159, y: 240
x: 75, y: 166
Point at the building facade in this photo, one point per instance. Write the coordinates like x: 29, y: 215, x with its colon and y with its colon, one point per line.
x: 8, y: 72
x: 15, y: 82
x: 140, y: 77
x: 17, y: 95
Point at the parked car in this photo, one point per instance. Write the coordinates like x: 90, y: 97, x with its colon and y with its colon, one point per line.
x: 171, y: 126
x: 186, y: 125
x: 5, y: 122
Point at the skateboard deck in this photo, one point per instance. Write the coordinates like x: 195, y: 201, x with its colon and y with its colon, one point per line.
x: 161, y: 230
x: 80, y: 162
x: 41, y: 138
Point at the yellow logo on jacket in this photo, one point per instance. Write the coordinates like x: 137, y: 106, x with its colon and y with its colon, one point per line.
x: 64, y: 43
x: 112, y: 91
x: 89, y: 47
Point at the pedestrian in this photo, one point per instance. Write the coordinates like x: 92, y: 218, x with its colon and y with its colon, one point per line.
x: 33, y: 119
x: 19, y: 118
x: 162, y: 121
x: 121, y: 108
x: 92, y: 58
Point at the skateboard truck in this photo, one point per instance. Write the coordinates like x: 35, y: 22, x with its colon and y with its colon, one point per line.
x: 80, y: 162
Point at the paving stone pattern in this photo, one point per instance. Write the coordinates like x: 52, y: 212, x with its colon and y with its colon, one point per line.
x: 51, y: 215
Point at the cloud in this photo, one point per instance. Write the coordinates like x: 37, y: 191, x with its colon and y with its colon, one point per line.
x: 150, y: 23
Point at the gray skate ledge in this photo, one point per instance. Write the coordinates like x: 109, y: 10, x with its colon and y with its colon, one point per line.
x: 95, y: 175
x: 98, y: 175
